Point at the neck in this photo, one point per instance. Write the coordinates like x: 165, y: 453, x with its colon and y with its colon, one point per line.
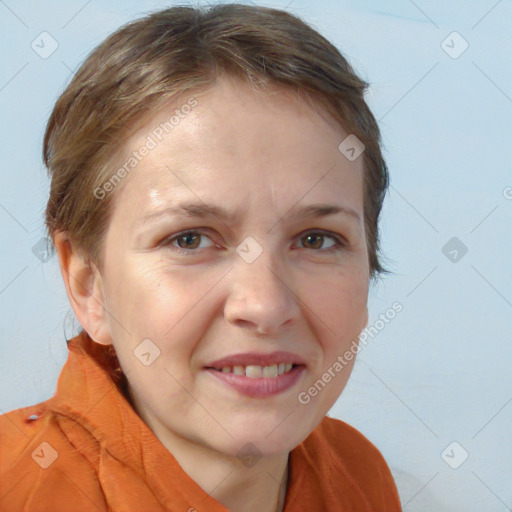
x: 238, y: 486
x: 227, y: 479
x: 262, y: 487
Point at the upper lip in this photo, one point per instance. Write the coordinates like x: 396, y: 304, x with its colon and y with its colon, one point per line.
x: 257, y: 359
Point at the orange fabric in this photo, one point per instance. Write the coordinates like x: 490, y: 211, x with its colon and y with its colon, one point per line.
x: 107, y: 458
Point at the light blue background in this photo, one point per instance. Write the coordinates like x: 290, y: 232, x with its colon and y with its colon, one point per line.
x: 441, y: 370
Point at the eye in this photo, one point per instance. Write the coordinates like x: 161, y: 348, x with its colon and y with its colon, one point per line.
x: 187, y: 241
x: 315, y: 239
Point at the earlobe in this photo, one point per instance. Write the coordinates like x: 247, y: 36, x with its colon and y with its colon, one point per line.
x: 83, y: 283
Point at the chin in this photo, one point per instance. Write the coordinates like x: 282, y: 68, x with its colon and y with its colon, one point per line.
x: 265, y: 437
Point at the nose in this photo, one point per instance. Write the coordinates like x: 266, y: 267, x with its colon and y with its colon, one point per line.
x: 261, y: 298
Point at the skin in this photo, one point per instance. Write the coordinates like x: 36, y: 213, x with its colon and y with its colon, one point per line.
x: 264, y: 156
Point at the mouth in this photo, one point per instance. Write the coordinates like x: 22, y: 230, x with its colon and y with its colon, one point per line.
x: 258, y: 375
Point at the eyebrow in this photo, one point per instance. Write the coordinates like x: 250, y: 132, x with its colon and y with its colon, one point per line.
x: 203, y: 210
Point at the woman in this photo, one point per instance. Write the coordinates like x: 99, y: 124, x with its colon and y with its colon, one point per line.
x: 216, y: 186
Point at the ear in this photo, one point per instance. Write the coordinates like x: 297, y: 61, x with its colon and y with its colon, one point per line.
x: 84, y: 287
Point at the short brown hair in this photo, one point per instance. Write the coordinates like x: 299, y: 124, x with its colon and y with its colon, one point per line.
x: 147, y: 63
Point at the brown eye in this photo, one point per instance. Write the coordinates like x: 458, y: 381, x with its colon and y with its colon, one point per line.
x: 187, y: 242
x: 316, y: 239
x: 190, y: 241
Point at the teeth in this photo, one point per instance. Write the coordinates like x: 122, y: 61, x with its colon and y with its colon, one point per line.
x: 270, y: 371
x: 256, y: 372
x: 239, y: 370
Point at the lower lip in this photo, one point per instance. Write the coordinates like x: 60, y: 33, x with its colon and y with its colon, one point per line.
x: 260, y: 387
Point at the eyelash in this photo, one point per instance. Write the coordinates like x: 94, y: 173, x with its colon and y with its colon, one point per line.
x: 340, y: 243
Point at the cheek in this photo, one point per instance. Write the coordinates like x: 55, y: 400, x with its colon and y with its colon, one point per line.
x: 142, y: 292
x: 339, y: 305
x: 170, y: 306
x: 154, y: 311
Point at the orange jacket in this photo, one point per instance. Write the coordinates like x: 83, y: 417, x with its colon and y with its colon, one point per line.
x: 86, y: 449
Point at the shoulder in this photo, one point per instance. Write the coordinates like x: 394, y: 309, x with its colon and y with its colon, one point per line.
x: 37, y: 456
x: 349, y: 452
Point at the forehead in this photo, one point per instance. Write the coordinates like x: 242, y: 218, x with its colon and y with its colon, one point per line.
x: 234, y: 143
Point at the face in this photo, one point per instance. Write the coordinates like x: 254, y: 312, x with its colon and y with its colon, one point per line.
x: 265, y: 279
